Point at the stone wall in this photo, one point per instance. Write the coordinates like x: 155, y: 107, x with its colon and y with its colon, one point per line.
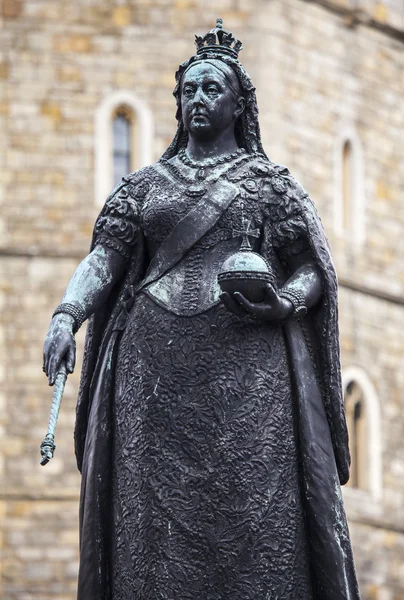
x: 316, y: 73
x: 38, y: 506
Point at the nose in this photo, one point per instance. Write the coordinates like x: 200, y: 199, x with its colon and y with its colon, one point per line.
x: 198, y: 98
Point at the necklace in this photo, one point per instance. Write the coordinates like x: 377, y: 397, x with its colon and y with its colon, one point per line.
x: 194, y: 188
x: 210, y: 163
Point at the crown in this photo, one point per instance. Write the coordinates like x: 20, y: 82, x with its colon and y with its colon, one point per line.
x: 219, y: 41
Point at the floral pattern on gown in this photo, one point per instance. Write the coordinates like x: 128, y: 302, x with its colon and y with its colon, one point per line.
x: 206, y: 492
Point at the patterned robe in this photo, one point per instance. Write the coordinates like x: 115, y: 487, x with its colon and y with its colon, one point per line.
x: 196, y: 420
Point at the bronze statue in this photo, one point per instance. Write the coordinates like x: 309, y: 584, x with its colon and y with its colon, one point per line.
x: 210, y: 426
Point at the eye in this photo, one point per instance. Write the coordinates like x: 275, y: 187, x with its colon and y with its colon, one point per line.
x: 212, y: 89
x: 188, y: 91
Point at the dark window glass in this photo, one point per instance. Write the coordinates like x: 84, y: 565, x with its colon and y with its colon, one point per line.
x: 121, y: 132
x: 347, y: 185
x: 357, y: 429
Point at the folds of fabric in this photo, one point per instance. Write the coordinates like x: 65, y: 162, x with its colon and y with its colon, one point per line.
x: 333, y: 568
x: 96, y: 484
x: 326, y: 333
x: 323, y: 446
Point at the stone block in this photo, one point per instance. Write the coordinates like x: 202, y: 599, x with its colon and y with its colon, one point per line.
x: 52, y: 111
x: 122, y: 16
x: 12, y: 9
x: 4, y: 70
x: 74, y: 43
x: 11, y: 446
x: 68, y: 73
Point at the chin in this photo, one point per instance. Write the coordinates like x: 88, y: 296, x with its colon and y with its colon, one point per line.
x: 200, y: 129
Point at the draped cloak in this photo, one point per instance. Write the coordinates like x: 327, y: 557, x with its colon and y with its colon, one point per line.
x: 313, y: 350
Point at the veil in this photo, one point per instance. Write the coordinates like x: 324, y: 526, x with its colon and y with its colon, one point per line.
x: 247, y: 129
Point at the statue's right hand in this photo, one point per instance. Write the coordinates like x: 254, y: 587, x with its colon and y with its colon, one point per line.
x: 59, y: 344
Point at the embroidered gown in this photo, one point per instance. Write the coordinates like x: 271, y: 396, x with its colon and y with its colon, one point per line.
x: 206, y: 498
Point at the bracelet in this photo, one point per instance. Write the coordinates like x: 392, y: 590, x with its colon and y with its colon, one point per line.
x: 297, y: 299
x: 74, y: 311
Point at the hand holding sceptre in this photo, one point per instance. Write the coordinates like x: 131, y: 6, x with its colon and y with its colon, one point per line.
x: 87, y: 290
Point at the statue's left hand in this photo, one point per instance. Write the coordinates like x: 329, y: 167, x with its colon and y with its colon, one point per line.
x: 272, y: 308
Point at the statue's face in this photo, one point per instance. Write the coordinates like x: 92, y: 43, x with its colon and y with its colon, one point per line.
x: 209, y: 105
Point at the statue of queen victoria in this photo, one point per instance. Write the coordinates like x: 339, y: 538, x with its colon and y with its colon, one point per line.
x: 210, y: 428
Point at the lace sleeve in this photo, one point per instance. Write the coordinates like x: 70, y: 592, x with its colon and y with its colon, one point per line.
x: 284, y: 204
x: 118, y: 224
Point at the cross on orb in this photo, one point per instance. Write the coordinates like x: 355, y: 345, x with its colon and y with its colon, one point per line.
x: 246, y: 232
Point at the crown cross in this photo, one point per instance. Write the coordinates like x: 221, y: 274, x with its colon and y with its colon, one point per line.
x: 246, y: 232
x: 218, y: 40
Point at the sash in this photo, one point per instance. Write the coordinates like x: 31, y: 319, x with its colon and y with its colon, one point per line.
x: 190, y: 229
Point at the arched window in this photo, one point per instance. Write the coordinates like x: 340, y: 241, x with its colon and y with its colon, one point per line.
x: 363, y: 420
x: 123, y: 140
x: 349, y: 204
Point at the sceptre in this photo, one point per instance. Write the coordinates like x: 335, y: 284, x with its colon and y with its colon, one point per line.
x: 48, y: 445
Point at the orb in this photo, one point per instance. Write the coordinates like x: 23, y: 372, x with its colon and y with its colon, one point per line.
x: 246, y: 272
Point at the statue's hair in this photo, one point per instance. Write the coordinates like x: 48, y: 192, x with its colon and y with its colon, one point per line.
x: 247, y: 129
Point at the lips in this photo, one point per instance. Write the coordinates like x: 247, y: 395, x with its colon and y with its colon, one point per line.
x: 198, y: 113
x: 199, y: 117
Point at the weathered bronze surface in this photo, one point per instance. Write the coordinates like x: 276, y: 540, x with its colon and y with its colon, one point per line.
x: 210, y: 427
